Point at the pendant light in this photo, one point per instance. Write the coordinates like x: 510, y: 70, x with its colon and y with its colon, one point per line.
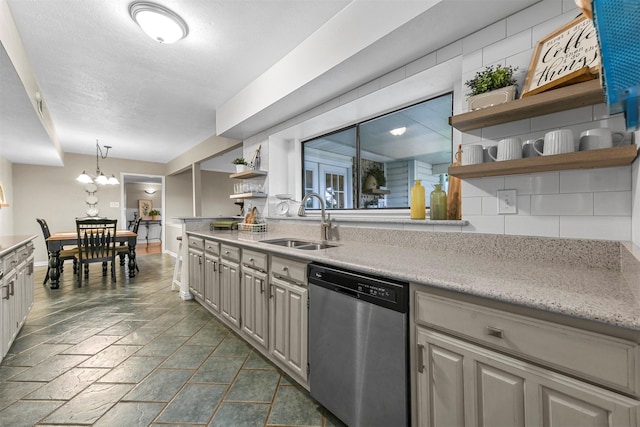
x: 100, y: 177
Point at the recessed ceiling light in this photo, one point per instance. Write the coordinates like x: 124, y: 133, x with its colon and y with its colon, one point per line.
x: 161, y: 24
x: 398, y: 131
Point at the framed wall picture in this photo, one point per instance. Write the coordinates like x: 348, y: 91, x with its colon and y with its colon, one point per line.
x: 144, y: 207
x: 566, y: 56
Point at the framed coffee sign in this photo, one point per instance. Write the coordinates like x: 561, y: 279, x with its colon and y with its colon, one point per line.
x: 566, y: 56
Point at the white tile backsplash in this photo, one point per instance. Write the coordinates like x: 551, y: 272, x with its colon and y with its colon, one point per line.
x: 482, y: 187
x: 541, y: 183
x: 562, y: 120
x: 562, y: 204
x: 592, y: 203
x: 596, y: 180
x: 524, y: 205
x: 612, y: 203
x: 545, y: 226
x: 539, y: 12
x: 504, y: 48
x: 472, y: 205
x: 596, y: 227
x: 489, y: 206
x: 485, y: 37
x: 484, y: 224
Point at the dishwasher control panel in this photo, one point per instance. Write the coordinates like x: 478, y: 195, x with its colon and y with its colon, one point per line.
x: 377, y: 291
x: 381, y: 291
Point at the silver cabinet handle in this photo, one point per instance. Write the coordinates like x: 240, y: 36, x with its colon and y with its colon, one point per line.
x: 420, y: 358
x: 1, y: 274
x: 262, y: 286
x: 285, y: 268
x: 271, y: 291
x: 12, y: 291
x: 495, y: 332
x: 250, y: 259
x: 6, y: 296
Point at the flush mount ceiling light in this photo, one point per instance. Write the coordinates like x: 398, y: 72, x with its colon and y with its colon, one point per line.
x: 398, y: 131
x: 152, y: 191
x: 161, y: 24
x: 99, y: 178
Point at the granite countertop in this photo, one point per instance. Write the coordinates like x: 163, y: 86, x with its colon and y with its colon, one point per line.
x: 596, y: 294
x: 9, y: 243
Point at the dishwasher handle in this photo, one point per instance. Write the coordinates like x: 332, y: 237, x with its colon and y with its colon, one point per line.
x: 345, y: 291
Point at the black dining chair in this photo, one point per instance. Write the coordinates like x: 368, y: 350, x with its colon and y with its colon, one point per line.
x: 123, y: 250
x: 65, y: 254
x: 96, y: 243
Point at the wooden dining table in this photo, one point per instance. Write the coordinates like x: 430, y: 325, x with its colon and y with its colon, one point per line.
x: 57, y: 241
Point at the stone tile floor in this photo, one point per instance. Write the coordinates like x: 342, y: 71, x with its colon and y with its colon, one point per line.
x: 133, y: 353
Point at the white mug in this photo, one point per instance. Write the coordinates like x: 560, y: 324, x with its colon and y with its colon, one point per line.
x: 596, y: 139
x: 530, y: 145
x: 508, y: 149
x: 557, y: 142
x: 471, y: 154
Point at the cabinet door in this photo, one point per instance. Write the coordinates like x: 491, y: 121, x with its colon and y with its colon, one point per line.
x: 288, y: 325
x: 230, y: 292
x: 8, y: 312
x: 195, y: 273
x: 212, y: 282
x: 466, y: 385
x: 254, y: 305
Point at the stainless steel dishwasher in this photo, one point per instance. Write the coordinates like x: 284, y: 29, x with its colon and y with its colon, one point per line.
x: 358, y: 358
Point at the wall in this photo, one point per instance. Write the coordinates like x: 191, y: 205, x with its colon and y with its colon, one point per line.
x: 596, y: 203
x: 6, y: 213
x: 216, y: 188
x: 53, y: 193
x: 574, y: 204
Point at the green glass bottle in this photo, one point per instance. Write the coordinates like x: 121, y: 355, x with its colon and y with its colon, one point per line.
x: 417, y: 201
x: 438, y: 199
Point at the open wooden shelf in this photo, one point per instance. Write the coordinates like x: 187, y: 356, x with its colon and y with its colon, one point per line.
x: 565, y: 98
x: 248, y: 174
x: 248, y: 196
x: 607, y: 157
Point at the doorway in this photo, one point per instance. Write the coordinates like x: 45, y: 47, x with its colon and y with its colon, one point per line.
x: 148, y: 191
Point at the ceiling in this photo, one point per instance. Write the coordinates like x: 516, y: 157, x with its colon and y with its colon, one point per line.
x: 102, y: 78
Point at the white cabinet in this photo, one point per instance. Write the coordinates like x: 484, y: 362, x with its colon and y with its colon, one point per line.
x: 255, y: 306
x: 462, y: 384
x: 212, y: 275
x: 16, y: 293
x: 288, y: 311
x: 474, y: 366
x: 196, y: 267
x: 230, y: 285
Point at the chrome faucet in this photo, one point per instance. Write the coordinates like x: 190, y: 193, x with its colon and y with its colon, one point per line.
x: 325, y: 223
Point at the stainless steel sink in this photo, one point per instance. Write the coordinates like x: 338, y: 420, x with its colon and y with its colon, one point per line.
x: 298, y: 244
x: 315, y: 246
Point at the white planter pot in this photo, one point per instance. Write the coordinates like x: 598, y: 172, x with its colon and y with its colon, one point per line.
x: 489, y: 99
x: 241, y: 168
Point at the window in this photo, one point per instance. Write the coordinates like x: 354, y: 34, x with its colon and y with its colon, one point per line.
x: 374, y: 164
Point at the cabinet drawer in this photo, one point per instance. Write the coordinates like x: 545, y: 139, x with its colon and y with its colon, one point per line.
x: 196, y: 243
x: 230, y: 252
x: 9, y: 262
x: 212, y: 247
x: 285, y: 268
x: 257, y: 260
x: 607, y: 360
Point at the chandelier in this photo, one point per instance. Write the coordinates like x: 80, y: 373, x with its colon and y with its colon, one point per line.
x: 99, y: 178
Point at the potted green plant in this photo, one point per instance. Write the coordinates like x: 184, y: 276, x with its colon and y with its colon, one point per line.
x: 154, y: 214
x: 241, y: 164
x: 492, y: 86
x: 374, y: 179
